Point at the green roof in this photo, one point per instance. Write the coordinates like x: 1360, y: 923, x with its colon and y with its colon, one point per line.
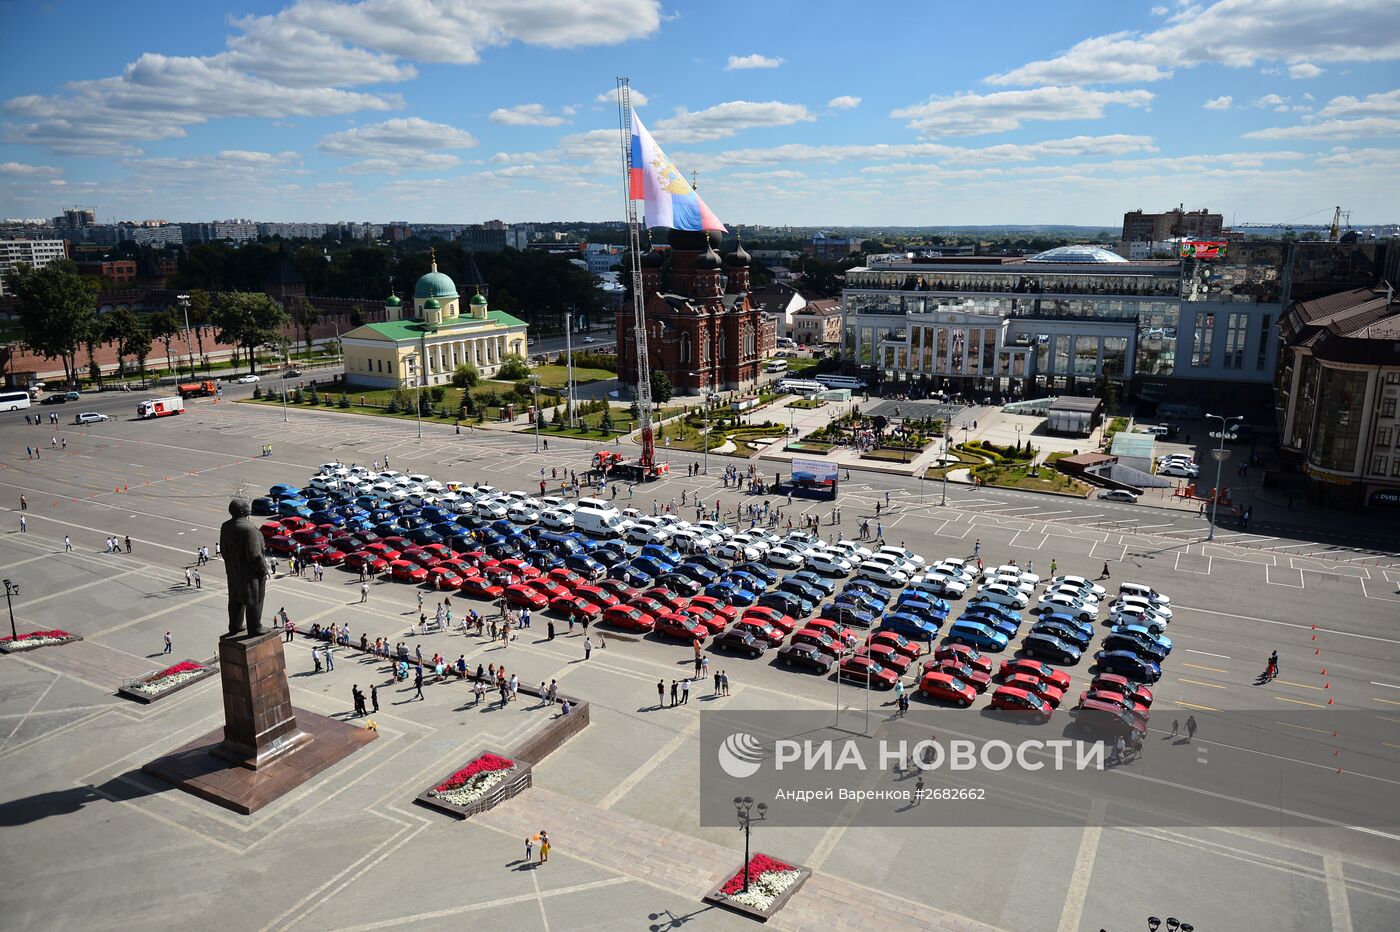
x: 394, y: 301
x: 435, y: 285
x: 405, y: 330
x: 478, y: 298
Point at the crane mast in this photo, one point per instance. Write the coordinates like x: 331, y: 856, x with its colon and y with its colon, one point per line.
x: 634, y: 251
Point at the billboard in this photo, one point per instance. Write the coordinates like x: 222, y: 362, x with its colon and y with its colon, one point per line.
x: 814, y: 474
x: 1200, y: 249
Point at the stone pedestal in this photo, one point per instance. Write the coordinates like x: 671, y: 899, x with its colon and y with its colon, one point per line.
x: 259, y: 723
x: 266, y: 748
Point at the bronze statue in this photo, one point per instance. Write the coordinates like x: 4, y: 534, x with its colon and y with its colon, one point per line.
x: 242, y: 546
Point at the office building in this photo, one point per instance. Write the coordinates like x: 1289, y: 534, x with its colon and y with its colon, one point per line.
x: 817, y: 323
x: 35, y: 253
x: 117, y: 273
x: 830, y: 248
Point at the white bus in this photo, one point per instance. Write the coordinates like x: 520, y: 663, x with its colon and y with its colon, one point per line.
x: 800, y: 386
x: 841, y: 381
x: 13, y: 400
x: 775, y: 365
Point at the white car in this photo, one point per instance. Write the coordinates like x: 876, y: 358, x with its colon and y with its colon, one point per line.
x: 248, y: 379
x: 1128, y: 603
x: 691, y: 540
x: 1118, y: 495
x: 522, y: 513
x: 419, y: 478
x: 954, y: 569
x: 1012, y: 582
x: 382, y: 487
x: 333, y: 468
x: 829, y: 563
x: 490, y: 508
x: 909, y: 557
x: 433, y: 486
x: 557, y: 520
x: 1143, y: 592
x: 1062, y: 604
x: 853, y: 550
x: 738, y: 552
x: 1183, y: 470
x: 884, y: 574
x: 714, y: 527
x: 648, y: 530
x: 1077, y: 582
x: 554, y: 501
x: 1003, y: 595
x: 1083, y: 595
x: 1141, y: 615
x: 785, y: 558
x: 753, y: 541
x: 1011, y: 569
x: 941, y: 584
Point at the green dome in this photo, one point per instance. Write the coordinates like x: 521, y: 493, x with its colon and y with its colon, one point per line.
x: 432, y: 304
x: 479, y: 299
x: 435, y: 285
x: 394, y: 301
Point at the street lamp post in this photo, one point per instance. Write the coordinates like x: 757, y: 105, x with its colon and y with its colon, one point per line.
x: 286, y: 364
x: 1018, y: 436
x: 535, y: 390
x: 1220, y: 455
x: 569, y: 366
x: 945, y: 466
x: 184, y: 300
x: 743, y: 806
x: 411, y: 361
x: 11, y: 589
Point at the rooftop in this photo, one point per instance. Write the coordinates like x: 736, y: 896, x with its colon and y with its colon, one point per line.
x: 400, y: 330
x: 1078, y: 255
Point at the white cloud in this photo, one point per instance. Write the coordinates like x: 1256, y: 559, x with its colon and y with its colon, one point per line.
x: 844, y: 102
x: 229, y: 169
x: 728, y: 118
x: 742, y: 62
x: 1160, y: 11
x: 526, y: 115
x: 1304, y: 70
x: 1371, y: 105
x: 1233, y: 33
x: 1219, y: 103
x: 1269, y: 100
x: 407, y: 162
x: 1365, y: 127
x: 398, y: 139
x: 610, y: 97
x: 794, y: 153
x: 1003, y: 111
x: 19, y: 168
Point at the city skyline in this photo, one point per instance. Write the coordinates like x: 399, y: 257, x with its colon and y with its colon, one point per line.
x: 445, y: 112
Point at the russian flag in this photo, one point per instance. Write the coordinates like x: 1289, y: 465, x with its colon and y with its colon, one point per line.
x: 670, y: 201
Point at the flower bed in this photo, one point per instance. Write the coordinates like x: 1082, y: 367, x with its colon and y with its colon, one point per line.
x: 771, y: 884
x: 162, y: 683
x: 486, y: 781
x: 36, y: 639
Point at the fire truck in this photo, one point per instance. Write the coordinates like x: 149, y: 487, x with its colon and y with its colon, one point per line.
x: 160, y: 407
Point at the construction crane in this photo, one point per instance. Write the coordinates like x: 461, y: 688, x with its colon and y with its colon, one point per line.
x: 1335, y: 231
x: 647, y: 461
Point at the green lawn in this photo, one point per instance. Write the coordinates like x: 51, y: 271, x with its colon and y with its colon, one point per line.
x: 556, y: 376
x: 892, y: 456
x: 807, y: 403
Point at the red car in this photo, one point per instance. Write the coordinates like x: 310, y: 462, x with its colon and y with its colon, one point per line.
x: 500, y: 575
x: 860, y: 670
x: 282, y: 543
x: 546, y: 587
x: 459, y: 566
x: 526, y: 597
x: 1013, y: 699
x: 421, y: 557
x: 1041, y: 671
x: 398, y: 543
x: 711, y: 604
x: 964, y: 653
x: 784, y: 623
x: 832, y: 628
x: 598, y: 596
x: 366, y: 560
x: 441, y: 551
x: 348, y: 542
x: 629, y: 618
x: 650, y: 606
x: 977, y: 679
x: 578, y: 609
x: 617, y: 587
x: 1112, y: 682
x: 272, y: 529
x: 760, y: 630
x: 295, y: 523
x: 444, y: 577
x: 1032, y: 684
x: 309, y: 536
x: 885, y: 656
x: 681, y: 626
x: 521, y: 568
x: 408, y: 571
x: 667, y: 598
x: 897, y: 641
x: 712, y: 623
x: 383, y: 550
x: 475, y: 559
x: 567, y: 578
x: 1112, y: 698
x: 818, y: 639
x: 948, y: 688
x: 324, y: 554
x: 481, y: 587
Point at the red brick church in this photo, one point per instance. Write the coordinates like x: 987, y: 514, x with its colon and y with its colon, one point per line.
x: 702, y: 330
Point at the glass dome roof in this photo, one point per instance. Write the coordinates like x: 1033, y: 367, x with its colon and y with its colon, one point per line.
x: 1080, y: 255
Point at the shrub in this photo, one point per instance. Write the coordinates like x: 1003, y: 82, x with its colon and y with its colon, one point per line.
x: 345, y: 401
x: 513, y: 368
x: 465, y: 376
x: 296, y: 396
x: 437, y: 393
x: 392, y: 405
x: 257, y: 391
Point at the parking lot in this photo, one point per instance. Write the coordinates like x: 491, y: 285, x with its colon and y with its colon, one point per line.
x: 166, y: 484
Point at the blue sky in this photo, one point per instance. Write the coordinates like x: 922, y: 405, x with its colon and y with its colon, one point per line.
x: 804, y: 113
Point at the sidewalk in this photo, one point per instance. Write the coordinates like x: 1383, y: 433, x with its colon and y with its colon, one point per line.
x: 691, y: 867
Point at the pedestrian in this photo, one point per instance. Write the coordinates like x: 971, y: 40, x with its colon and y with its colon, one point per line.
x: 919, y: 789
x: 198, y: 582
x: 1105, y: 570
x: 724, y: 682
x: 544, y: 845
x: 1176, y: 727
x: 1053, y: 566
x: 660, y: 693
x: 550, y: 627
x: 1271, y: 670
x: 330, y: 658
x: 67, y: 544
x: 358, y: 698
x: 189, y: 577
x: 675, y: 693
x: 716, y: 692
x: 418, y: 680
x: 685, y: 690
x: 23, y: 503
x: 169, y: 644
x: 364, y: 592
x: 587, y: 647
x: 529, y: 839
x: 977, y: 547
x: 1191, y: 728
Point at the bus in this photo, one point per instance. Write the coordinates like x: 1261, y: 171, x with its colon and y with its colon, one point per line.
x: 13, y: 400
x: 841, y: 381
x: 800, y: 386
x: 775, y: 365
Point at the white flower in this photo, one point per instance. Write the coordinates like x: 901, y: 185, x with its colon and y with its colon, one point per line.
x: 765, y: 889
x: 155, y: 687
x: 475, y: 788
x: 36, y: 642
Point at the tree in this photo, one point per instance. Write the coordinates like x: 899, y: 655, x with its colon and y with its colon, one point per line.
x: 606, y: 422
x: 357, y: 315
x: 513, y: 368
x: 57, y: 310
x: 162, y: 327
x: 305, y: 316
x: 138, y: 344
x: 249, y: 320
x: 123, y: 329
x: 660, y: 387
x: 466, y: 376
x: 1107, y: 391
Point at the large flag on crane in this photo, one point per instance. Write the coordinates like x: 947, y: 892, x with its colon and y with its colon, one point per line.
x: 670, y: 200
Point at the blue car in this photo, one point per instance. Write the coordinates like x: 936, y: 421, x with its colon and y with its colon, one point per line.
x: 1049, y: 647
x: 848, y: 614
x: 282, y: 490
x: 859, y: 599
x: 403, y: 509
x: 978, y: 635
x: 680, y: 584
x: 759, y: 571
x: 806, y: 593
x: 937, y: 609
x: 731, y: 592
x: 993, y: 608
x: 825, y: 586
x: 423, y: 536
x: 631, y: 575
x: 388, y: 529
x: 328, y: 517
x: 317, y: 502
x: 880, y: 593
x: 1125, y: 663
x: 585, y: 565
x: 1143, y: 647
x: 664, y: 554
x: 608, y: 557
x: 748, y: 580
x: 787, y: 603
x: 411, y: 521
x: 543, y: 560
x: 713, y: 564
x: 359, y: 523
x: 989, y: 621
x: 1060, y: 618
x: 264, y: 505
x: 1140, y: 631
x: 435, y: 515
x: 289, y: 507
x: 1067, y: 633
x: 911, y: 626
x: 652, y: 566
x: 936, y: 604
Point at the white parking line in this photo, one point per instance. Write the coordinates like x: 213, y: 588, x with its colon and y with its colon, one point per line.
x: 1386, y: 685
x: 1289, y: 624
x: 1209, y: 654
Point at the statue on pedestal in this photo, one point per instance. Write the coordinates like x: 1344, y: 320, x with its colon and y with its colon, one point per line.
x: 241, y: 544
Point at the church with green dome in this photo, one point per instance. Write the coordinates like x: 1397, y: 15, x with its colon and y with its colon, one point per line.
x: 424, y: 343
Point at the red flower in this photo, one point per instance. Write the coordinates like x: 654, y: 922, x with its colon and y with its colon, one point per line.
x: 759, y: 865
x: 184, y: 666
x: 486, y: 763
x: 38, y: 634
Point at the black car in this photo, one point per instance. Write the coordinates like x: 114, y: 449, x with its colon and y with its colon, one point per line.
x: 55, y: 400
x: 738, y: 642
x: 680, y: 583
x: 264, y: 506
x: 1049, y: 647
x: 803, y: 590
x: 806, y: 656
x: 1067, y: 633
x: 713, y: 564
x: 787, y: 603
x: 1145, y: 648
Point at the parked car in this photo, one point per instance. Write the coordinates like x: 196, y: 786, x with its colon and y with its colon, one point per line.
x: 1015, y: 699
x: 947, y: 688
x: 1128, y: 664
x: 738, y: 641
x: 1050, y: 648
x: 1119, y: 495
x: 863, y: 671
x: 807, y: 656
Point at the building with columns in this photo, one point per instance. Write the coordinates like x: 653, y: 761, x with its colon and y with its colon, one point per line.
x: 425, y: 342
